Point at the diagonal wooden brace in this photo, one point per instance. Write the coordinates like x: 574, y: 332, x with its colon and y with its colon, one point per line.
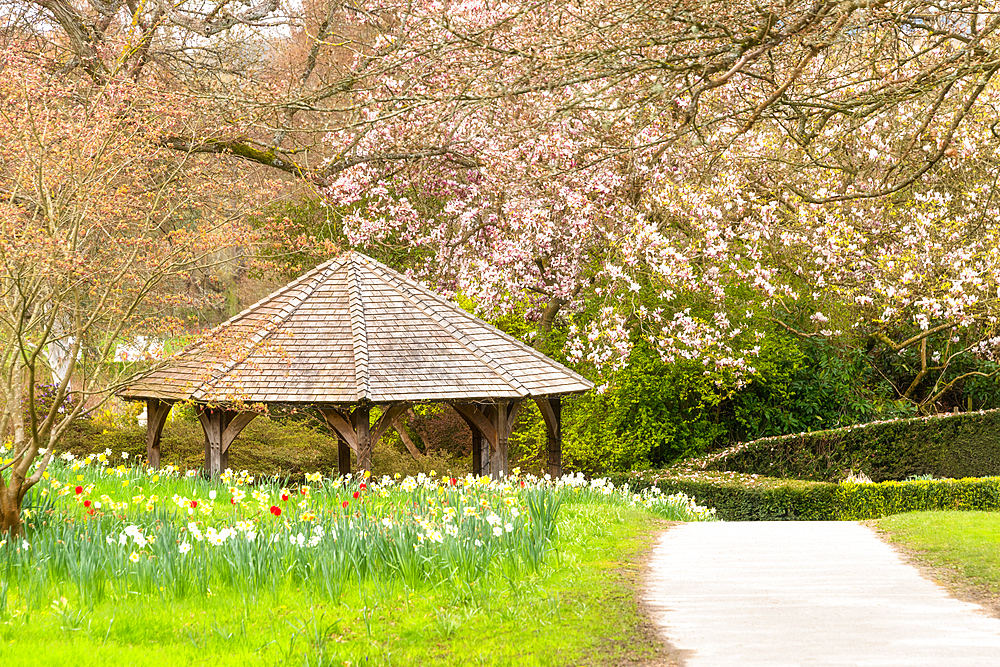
x: 156, y: 417
x: 221, y: 428
x: 355, y: 433
x: 551, y: 410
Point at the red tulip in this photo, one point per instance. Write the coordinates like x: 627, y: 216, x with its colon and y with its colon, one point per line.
x: 345, y: 504
x: 194, y: 503
x: 454, y: 481
x: 284, y: 497
x: 79, y: 490
x: 86, y: 503
x: 357, y: 494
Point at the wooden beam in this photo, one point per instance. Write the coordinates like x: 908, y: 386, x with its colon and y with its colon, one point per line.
x: 156, y: 417
x: 515, y: 407
x: 385, y: 422
x: 343, y: 457
x: 237, y: 423
x: 475, y: 416
x: 342, y: 426
x: 221, y: 427
x: 479, y: 444
x: 551, y: 409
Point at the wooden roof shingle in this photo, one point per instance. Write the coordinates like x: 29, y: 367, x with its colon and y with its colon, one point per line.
x: 353, y: 330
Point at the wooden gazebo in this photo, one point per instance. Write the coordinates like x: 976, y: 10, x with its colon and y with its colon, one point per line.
x: 347, y: 336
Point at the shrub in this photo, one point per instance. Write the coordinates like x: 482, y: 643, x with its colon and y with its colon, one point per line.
x: 738, y: 497
x: 808, y: 384
x: 746, y: 498
x: 653, y: 414
x: 265, y: 447
x: 954, y: 446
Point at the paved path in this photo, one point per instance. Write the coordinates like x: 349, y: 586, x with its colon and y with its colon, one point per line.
x: 806, y: 593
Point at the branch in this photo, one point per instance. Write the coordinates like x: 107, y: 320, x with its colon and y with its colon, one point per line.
x: 897, y: 347
x: 271, y: 158
x: 240, y: 148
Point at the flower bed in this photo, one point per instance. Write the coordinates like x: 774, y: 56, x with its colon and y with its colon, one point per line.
x: 118, y: 530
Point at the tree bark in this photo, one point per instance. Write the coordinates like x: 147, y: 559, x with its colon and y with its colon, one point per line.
x: 405, y: 437
x: 10, y: 513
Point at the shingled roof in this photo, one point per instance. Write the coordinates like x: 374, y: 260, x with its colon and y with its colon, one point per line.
x: 352, y: 330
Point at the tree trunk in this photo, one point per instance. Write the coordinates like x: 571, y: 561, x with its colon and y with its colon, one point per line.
x: 405, y: 437
x: 10, y: 513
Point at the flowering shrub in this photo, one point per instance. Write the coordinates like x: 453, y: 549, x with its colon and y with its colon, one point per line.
x: 103, y: 527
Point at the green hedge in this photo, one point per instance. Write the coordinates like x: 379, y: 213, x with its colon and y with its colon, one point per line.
x: 954, y: 446
x: 747, y: 498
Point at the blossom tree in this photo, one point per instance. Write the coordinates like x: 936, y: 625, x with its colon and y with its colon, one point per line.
x: 695, y: 174
x: 100, y: 228
x: 635, y: 158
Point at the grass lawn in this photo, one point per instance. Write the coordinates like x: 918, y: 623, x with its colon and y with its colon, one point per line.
x: 579, y: 607
x: 960, y: 549
x: 581, y: 610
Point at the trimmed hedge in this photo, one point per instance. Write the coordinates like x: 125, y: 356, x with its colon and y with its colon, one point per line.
x: 748, y: 498
x: 954, y: 446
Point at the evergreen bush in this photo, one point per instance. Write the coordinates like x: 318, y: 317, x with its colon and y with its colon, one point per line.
x: 750, y: 498
x: 953, y: 446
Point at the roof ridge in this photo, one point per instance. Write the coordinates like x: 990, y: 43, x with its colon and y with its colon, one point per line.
x: 359, y: 330
x: 503, y: 334
x: 319, y: 275
x: 460, y: 336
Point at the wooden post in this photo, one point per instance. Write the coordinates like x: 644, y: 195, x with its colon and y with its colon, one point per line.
x: 483, y: 433
x: 554, y: 441
x: 493, y: 422
x: 477, y: 450
x: 362, y: 427
x: 156, y: 417
x: 498, y: 459
x: 502, y: 415
x: 344, y: 457
x: 551, y: 409
x: 221, y: 428
x: 355, y: 428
